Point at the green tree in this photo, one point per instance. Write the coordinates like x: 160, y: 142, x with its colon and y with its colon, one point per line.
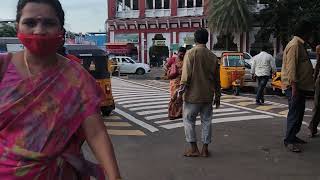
x: 280, y: 16
x: 7, y: 31
x: 228, y: 16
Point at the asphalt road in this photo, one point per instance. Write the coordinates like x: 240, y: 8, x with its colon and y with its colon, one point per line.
x: 247, y: 139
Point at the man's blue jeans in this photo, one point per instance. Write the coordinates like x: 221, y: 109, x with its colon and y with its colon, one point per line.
x: 262, y: 83
x: 190, y: 113
x: 297, y: 106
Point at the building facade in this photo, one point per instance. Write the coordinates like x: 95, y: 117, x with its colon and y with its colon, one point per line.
x: 156, y: 27
x: 159, y: 27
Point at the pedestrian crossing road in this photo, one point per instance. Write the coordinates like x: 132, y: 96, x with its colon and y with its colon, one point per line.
x: 146, y: 105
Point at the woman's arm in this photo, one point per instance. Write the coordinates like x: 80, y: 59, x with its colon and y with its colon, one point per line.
x: 100, y: 143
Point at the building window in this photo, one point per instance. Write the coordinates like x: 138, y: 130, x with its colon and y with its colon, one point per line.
x: 181, y: 4
x: 158, y: 4
x: 135, y: 5
x: 189, y: 3
x: 149, y: 4
x: 126, y: 5
x: 167, y: 4
x: 198, y: 3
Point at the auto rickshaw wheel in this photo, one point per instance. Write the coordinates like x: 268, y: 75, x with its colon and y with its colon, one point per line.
x: 140, y: 71
x: 106, y: 110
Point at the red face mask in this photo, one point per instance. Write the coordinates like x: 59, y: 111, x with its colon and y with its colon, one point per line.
x: 40, y: 45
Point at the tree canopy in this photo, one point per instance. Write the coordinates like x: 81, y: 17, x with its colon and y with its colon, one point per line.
x: 228, y: 16
x: 7, y: 31
x: 280, y: 17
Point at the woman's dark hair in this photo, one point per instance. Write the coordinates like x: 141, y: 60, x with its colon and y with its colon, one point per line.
x: 55, y: 4
x: 201, y: 36
x: 182, y: 49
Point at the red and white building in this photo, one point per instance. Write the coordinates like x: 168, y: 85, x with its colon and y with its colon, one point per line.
x: 138, y: 21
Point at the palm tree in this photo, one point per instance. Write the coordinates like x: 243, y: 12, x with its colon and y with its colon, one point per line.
x: 228, y: 16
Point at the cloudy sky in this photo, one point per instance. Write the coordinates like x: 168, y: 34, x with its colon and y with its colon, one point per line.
x: 81, y: 16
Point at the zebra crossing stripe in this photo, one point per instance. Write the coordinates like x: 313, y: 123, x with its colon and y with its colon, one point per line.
x: 268, y: 108
x: 138, y: 98
x: 234, y: 99
x: 146, y: 104
x: 220, y: 120
x: 144, y: 100
x: 125, y: 132
x: 112, y: 118
x: 136, y: 121
x: 159, y: 116
x: 137, y: 90
x: 135, y: 93
x: 214, y: 116
x: 138, y: 95
x: 117, y: 124
x: 152, y: 112
x: 149, y: 107
x: 245, y: 103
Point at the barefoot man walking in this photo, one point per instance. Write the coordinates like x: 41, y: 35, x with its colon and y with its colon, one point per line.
x: 200, y: 84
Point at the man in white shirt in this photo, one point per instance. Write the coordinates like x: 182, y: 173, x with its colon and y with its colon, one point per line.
x: 262, y: 66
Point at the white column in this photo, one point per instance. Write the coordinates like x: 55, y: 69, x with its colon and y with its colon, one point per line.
x: 185, y: 3
x: 142, y: 47
x: 154, y: 4
x: 123, y: 5
x: 112, y: 36
x: 174, y: 36
x: 131, y: 4
x: 194, y: 3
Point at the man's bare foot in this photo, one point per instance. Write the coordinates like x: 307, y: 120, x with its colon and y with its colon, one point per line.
x: 205, y: 151
x: 193, y: 151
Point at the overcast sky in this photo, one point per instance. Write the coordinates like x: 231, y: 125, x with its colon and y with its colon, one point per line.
x: 81, y: 16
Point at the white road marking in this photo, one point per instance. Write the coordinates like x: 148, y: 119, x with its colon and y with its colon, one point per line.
x: 214, y: 116
x: 149, y: 107
x: 142, y: 113
x: 159, y: 116
x: 221, y: 120
x: 144, y: 97
x: 138, y: 90
x: 144, y: 100
x: 146, y: 104
x: 136, y: 121
x: 254, y: 110
x: 135, y: 93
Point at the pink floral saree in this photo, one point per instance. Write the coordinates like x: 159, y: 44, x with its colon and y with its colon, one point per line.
x: 40, y: 123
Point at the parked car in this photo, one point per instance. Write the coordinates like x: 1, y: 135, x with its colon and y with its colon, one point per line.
x: 312, y: 57
x: 128, y: 66
x: 247, y: 58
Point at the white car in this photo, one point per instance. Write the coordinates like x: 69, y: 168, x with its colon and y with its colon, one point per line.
x: 128, y: 66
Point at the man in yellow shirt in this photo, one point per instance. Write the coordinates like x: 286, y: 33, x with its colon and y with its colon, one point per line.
x: 297, y: 81
x: 200, y: 83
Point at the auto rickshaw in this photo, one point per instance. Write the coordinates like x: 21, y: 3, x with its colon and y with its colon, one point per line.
x: 232, y: 71
x: 96, y: 62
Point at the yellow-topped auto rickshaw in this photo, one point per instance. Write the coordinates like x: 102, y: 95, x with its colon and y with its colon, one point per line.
x: 95, y: 61
x: 232, y: 71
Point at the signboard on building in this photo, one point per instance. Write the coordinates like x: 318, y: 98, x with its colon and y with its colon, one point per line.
x: 126, y: 38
